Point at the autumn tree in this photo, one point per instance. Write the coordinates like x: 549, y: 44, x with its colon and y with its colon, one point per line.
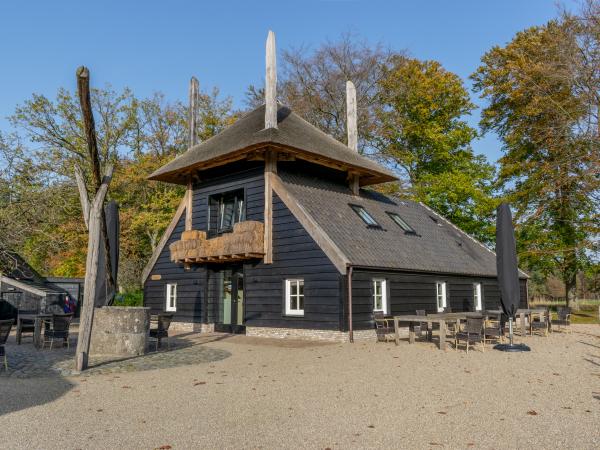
x: 543, y: 93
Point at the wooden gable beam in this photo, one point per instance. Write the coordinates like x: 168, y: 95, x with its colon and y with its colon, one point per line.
x: 333, y: 252
x: 165, y: 237
x: 270, y: 172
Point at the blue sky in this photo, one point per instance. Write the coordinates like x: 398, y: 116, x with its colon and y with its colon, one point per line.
x: 157, y: 45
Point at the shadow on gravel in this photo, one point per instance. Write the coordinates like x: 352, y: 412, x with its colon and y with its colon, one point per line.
x: 19, y: 394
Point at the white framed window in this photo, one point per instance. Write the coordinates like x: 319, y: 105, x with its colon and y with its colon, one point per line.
x: 294, y: 297
x: 380, y: 295
x: 171, y: 297
x: 440, y: 287
x: 477, y: 296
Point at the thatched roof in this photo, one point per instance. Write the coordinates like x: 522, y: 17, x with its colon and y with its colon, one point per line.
x: 293, y: 135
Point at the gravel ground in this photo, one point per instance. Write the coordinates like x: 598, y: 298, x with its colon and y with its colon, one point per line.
x: 283, y: 394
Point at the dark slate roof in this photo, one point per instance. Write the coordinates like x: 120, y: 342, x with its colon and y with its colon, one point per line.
x: 438, y: 247
x: 49, y: 289
x: 14, y: 266
x: 249, y: 133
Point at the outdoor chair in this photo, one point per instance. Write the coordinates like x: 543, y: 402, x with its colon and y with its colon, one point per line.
x: 563, y: 318
x: 385, y: 332
x: 492, y: 330
x: 5, y: 326
x: 25, y: 326
x: 57, y: 328
x: 162, y: 330
x: 423, y: 327
x: 540, y: 322
x: 472, y: 332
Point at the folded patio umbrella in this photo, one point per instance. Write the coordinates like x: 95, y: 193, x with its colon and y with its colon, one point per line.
x: 103, y: 297
x: 508, y: 270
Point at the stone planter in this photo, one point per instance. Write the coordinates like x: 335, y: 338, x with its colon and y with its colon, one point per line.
x: 120, y: 331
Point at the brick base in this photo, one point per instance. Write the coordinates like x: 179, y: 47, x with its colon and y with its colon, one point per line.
x: 192, y: 327
x: 315, y: 335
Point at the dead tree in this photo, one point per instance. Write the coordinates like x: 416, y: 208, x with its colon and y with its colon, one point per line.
x: 94, y: 223
x: 83, y: 90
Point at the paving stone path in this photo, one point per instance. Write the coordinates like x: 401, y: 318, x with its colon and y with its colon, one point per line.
x: 27, y: 362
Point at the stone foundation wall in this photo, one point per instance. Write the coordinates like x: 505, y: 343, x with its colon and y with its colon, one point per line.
x: 315, y: 335
x: 192, y: 327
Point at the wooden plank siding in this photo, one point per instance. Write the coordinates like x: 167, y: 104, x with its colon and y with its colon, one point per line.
x: 411, y: 291
x: 295, y: 255
x: 191, y: 285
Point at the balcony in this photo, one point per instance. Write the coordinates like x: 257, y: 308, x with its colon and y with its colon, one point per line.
x: 245, y: 242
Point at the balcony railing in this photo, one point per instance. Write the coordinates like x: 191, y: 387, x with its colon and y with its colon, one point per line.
x: 245, y: 242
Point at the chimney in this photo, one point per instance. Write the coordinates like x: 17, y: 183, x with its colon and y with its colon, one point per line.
x: 193, y: 111
x: 271, y: 83
x: 351, y: 121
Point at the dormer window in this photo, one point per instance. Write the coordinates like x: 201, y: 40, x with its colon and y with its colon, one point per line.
x: 401, y: 223
x: 225, y: 210
x: 365, y: 216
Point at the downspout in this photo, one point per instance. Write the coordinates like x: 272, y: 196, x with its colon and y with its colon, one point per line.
x: 349, y: 277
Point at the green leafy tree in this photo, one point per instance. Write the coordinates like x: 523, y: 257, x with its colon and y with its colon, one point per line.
x: 422, y: 133
x: 542, y: 89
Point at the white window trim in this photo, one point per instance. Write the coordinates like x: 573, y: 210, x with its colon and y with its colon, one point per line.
x: 477, y: 296
x: 384, y: 299
x: 168, y: 306
x: 288, y: 298
x: 444, y: 297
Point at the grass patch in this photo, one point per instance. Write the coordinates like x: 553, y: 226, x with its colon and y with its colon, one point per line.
x: 134, y: 298
x: 582, y: 311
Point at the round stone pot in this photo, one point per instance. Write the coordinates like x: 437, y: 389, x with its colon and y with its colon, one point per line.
x: 120, y: 331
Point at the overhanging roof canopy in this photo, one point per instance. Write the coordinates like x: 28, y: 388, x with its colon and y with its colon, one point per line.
x: 294, y: 135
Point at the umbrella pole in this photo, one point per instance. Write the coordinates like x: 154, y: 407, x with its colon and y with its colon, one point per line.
x: 510, y: 330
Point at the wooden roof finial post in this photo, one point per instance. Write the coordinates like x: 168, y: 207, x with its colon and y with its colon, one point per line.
x: 271, y: 83
x: 351, y: 120
x: 193, y: 119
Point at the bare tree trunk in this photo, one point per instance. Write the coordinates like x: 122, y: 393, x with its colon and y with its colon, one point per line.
x: 91, y: 271
x: 83, y: 90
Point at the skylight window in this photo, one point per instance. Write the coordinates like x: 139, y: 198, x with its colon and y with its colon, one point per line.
x: 365, y: 216
x: 401, y: 223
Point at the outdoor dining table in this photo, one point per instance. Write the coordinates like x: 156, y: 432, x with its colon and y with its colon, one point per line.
x: 441, y: 319
x: 38, y: 320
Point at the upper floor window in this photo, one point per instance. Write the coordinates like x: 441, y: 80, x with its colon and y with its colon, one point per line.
x: 294, y: 297
x: 365, y: 216
x: 477, y: 296
x: 401, y: 223
x: 440, y: 287
x: 380, y: 295
x: 225, y: 210
x: 171, y: 297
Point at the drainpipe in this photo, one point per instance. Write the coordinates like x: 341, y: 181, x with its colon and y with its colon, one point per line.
x: 350, y: 331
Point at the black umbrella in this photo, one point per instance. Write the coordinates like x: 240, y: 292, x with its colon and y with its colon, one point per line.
x: 103, y: 297
x: 508, y: 271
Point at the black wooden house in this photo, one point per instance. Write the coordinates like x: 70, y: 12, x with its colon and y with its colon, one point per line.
x: 279, y: 235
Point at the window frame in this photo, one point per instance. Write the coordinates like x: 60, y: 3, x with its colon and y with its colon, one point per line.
x: 358, y: 209
x: 477, y: 296
x: 444, y: 296
x: 383, y: 295
x: 171, y: 291
x: 403, y: 224
x: 289, y: 311
x: 217, y: 201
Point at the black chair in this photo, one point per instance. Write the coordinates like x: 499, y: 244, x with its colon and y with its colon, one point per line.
x: 473, y: 332
x: 5, y: 326
x: 162, y: 330
x: 563, y: 319
x: 57, y: 328
x: 493, y: 330
x: 25, y: 326
x: 383, y: 329
x: 422, y: 327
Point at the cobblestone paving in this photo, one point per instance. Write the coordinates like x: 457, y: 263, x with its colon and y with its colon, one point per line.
x: 27, y: 362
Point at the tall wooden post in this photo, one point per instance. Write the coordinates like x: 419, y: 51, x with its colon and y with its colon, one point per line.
x: 193, y: 119
x: 94, y: 222
x: 270, y: 169
x: 352, y: 130
x: 271, y: 83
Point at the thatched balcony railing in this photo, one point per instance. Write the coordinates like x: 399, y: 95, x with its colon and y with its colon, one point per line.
x: 245, y: 242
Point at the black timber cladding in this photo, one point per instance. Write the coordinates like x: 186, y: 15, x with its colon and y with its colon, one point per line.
x: 409, y: 291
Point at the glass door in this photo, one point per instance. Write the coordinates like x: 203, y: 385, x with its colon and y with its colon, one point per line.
x: 230, y: 315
